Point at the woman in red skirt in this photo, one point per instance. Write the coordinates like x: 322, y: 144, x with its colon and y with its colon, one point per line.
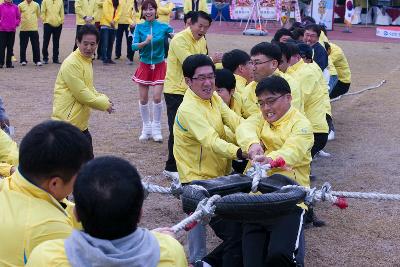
x: 148, y: 38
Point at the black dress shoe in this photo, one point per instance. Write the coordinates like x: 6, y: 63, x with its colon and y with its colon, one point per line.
x: 56, y: 62
x: 10, y: 67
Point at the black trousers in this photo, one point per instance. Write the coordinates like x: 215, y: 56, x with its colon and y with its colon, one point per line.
x: 330, y: 123
x: 172, y: 101
x: 273, y: 244
x: 123, y: 28
x: 24, y: 37
x: 48, y: 31
x: 78, y: 27
x: 320, y: 140
x: 89, y: 137
x: 6, y: 43
x: 229, y: 252
x: 340, y: 89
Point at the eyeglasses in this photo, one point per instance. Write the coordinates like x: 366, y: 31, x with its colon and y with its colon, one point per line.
x: 203, y: 78
x: 269, y: 102
x: 256, y: 63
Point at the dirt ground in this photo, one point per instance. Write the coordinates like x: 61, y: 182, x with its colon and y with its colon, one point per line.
x: 365, y: 154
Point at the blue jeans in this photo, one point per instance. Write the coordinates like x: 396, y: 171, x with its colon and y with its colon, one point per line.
x: 107, y: 37
x: 332, y: 82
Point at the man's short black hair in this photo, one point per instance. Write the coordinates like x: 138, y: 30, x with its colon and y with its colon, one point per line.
x: 308, y: 20
x: 282, y: 32
x: 187, y: 16
x: 313, y: 27
x: 233, y: 59
x: 108, y: 195
x: 88, y: 29
x: 297, y: 32
x: 273, y: 85
x: 285, y: 50
x: 305, y: 50
x: 192, y: 62
x: 200, y: 14
x: 293, y: 48
x: 53, y: 149
x: 269, y: 50
x: 225, y: 79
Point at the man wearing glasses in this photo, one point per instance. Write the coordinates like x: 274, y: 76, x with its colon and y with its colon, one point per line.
x: 202, y: 152
x: 284, y: 132
x: 266, y: 58
x: 311, y: 37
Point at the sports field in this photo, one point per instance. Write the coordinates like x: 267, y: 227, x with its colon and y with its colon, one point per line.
x: 365, y: 153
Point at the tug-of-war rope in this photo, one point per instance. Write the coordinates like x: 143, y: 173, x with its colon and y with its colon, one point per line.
x: 206, y: 208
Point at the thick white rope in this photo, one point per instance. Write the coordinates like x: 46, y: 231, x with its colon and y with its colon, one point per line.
x: 257, y: 172
x: 204, y: 211
x: 360, y: 91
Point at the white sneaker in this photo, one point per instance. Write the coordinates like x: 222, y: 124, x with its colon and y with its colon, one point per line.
x: 331, y: 136
x: 39, y: 64
x: 146, y: 132
x: 174, y: 176
x: 23, y: 63
x: 156, y: 132
x: 324, y: 154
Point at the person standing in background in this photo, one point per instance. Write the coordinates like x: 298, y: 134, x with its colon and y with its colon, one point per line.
x: 30, y: 13
x: 164, y: 13
x: 85, y: 11
x: 52, y: 14
x: 10, y: 18
x: 125, y: 25
x: 98, y: 15
x: 109, y: 22
x: 195, y: 5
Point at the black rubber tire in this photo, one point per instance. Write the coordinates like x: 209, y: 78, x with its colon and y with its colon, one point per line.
x: 241, y: 206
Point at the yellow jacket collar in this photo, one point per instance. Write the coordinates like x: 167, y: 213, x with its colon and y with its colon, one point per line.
x: 284, y: 118
x: 240, y: 79
x: 20, y: 184
x: 199, y: 99
x: 296, y: 66
x: 80, y: 55
x: 188, y: 32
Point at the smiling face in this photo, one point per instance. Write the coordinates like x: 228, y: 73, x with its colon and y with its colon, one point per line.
x: 88, y: 45
x: 263, y: 66
x: 149, y: 13
x: 310, y: 37
x: 203, y: 82
x: 200, y: 28
x: 274, y: 106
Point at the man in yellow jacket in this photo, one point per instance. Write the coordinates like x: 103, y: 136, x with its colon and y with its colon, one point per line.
x: 8, y: 155
x: 125, y: 25
x: 85, y: 11
x: 185, y: 43
x: 202, y: 152
x: 266, y: 58
x: 284, y: 132
x: 110, y: 215
x: 52, y: 13
x: 33, y: 206
x: 316, y: 100
x: 109, y: 21
x: 240, y: 64
x: 30, y: 14
x: 342, y: 67
x: 195, y: 5
x: 74, y: 92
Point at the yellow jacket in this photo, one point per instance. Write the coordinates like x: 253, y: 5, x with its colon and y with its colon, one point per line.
x: 109, y: 14
x: 29, y: 216
x: 339, y: 60
x: 127, y: 12
x: 137, y: 16
x: 52, y: 253
x: 30, y: 14
x: 291, y: 137
x: 98, y: 10
x: 182, y: 45
x: 164, y: 10
x: 85, y: 8
x: 200, y: 146
x: 324, y: 85
x: 241, y: 84
x: 52, y: 12
x: 314, y: 95
x: 236, y: 105
x: 250, y: 101
x: 8, y: 154
x: 187, y: 6
x: 74, y: 92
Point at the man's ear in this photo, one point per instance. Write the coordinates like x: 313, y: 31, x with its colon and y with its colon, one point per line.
x: 188, y: 81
